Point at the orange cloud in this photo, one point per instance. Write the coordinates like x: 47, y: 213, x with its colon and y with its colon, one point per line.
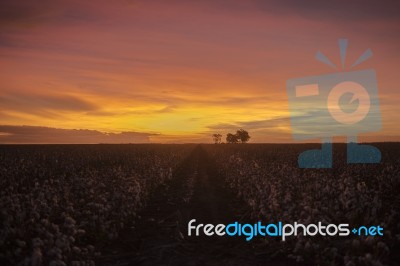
x: 181, y: 68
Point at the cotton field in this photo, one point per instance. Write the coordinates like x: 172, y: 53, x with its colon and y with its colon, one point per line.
x: 59, y: 203
x: 65, y: 204
x: 268, y: 179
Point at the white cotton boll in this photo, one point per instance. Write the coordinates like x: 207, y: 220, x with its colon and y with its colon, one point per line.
x: 69, y: 222
x: 55, y: 228
x: 37, y: 242
x: 110, y: 236
x: 90, y: 248
x: 57, y: 263
x: 298, y: 247
x: 35, y: 215
x: 59, y: 256
x: 36, y: 258
x: 308, y: 246
x: 376, y: 263
x: 369, y: 241
x: 60, y: 243
x: 84, y: 250
x: 355, y: 244
x: 256, y: 165
x: 27, y: 260
x: 299, y: 258
x: 20, y: 243
x: 76, y: 250
x: 334, y: 252
x: 52, y: 252
x: 383, y: 249
x: 80, y: 232
x: 17, y: 252
x: 251, y: 202
x: 45, y: 222
x: 366, y: 260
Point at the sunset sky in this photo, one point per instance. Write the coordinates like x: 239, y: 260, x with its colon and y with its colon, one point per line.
x: 179, y: 71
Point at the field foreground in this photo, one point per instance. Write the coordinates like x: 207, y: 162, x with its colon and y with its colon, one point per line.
x: 130, y: 204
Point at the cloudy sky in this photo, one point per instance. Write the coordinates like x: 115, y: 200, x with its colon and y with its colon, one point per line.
x: 178, y: 71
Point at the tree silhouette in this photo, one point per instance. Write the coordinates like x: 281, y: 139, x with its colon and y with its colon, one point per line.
x: 242, y: 135
x: 230, y: 138
x: 217, y: 138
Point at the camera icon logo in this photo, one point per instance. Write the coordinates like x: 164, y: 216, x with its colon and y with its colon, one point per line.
x: 337, y: 104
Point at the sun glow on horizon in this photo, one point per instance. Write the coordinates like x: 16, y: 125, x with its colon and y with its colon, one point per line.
x: 178, y: 71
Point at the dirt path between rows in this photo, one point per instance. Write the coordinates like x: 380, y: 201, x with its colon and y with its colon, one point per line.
x: 160, y: 236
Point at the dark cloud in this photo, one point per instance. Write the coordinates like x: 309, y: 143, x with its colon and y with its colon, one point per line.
x: 167, y: 109
x: 22, y: 12
x: 26, y: 13
x: 253, y: 125
x: 102, y: 113
x: 336, y: 10
x: 326, y: 10
x: 36, y: 135
x: 237, y: 101
x: 44, y: 104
